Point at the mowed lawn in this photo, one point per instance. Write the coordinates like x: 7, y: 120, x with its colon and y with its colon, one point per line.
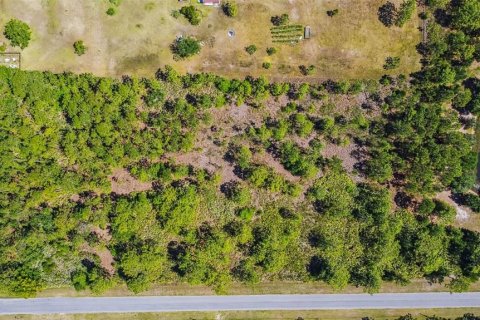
x: 353, y: 44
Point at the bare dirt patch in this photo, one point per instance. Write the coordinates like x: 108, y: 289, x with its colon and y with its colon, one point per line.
x: 267, y: 159
x: 344, y: 153
x: 105, y: 256
x: 103, y: 234
x: 122, y: 182
x: 465, y: 218
x: 463, y: 212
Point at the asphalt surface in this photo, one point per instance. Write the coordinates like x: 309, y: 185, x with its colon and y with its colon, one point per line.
x: 252, y: 302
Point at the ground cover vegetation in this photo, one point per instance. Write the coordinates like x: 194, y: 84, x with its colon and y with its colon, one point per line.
x: 18, y: 32
x: 466, y: 316
x: 79, y: 47
x: 274, y: 204
x: 128, y: 40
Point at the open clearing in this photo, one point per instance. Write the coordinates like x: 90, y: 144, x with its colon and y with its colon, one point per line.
x: 353, y: 44
x: 251, y: 315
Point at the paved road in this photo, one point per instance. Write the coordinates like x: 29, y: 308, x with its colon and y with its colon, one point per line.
x: 224, y: 303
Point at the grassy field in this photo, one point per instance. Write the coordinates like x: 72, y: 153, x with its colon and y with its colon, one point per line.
x: 256, y: 315
x: 353, y: 44
x: 274, y: 287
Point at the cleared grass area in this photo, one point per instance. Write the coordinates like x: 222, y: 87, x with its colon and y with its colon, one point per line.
x: 254, y: 315
x: 353, y: 44
x: 274, y: 287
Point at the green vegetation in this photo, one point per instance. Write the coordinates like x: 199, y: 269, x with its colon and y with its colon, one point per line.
x: 466, y: 15
x: 280, y: 20
x: 111, y: 11
x: 230, y: 9
x: 79, y: 47
x: 176, y: 14
x: 271, y: 51
x: 251, y: 49
x: 301, y: 185
x: 266, y: 65
x: 407, y: 8
x: 186, y: 47
x: 307, y: 71
x: 192, y: 14
x: 287, y: 33
x: 18, y: 32
x: 332, y: 13
x: 391, y: 63
x: 397, y: 314
x: 389, y: 15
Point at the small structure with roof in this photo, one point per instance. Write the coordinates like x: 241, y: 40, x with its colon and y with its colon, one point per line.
x: 10, y: 60
x: 307, y: 32
x: 215, y: 3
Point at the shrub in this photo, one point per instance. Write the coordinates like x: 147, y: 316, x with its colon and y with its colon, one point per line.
x: 423, y: 15
x: 266, y: 65
x: 271, y: 51
x: 186, y: 47
x: 405, y: 13
x: 79, y: 47
x: 471, y: 200
x: 391, y: 63
x: 236, y: 192
x: 175, y: 14
x: 191, y: 14
x: 332, y: 13
x: 280, y: 20
x: 307, y: 71
x: 246, y: 213
x: 230, y: 9
x: 387, y: 14
x: 251, y: 49
x: 466, y: 15
x: 111, y: 11
x: 18, y: 32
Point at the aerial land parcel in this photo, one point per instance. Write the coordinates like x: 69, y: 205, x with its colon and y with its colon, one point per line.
x: 361, y: 174
x: 351, y: 45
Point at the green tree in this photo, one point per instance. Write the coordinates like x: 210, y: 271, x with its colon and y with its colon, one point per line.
x: 192, y: 14
x: 466, y: 15
x: 79, y: 47
x: 391, y: 63
x: 387, y: 14
x: 186, y: 47
x: 111, y: 11
x: 271, y: 51
x: 18, y: 32
x: 333, y: 194
x: 230, y: 8
x: 405, y: 12
x: 251, y: 49
x: 280, y: 20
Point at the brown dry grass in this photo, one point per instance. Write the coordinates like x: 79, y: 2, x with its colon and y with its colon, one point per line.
x: 273, y: 287
x: 353, y: 44
x: 254, y: 315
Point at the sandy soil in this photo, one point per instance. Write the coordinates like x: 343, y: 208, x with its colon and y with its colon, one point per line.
x: 106, y: 257
x: 463, y: 213
x: 122, y: 182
